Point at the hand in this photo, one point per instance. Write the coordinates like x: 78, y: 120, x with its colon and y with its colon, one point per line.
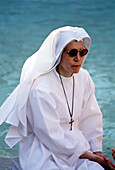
x: 101, y: 155
x: 105, y: 161
x: 98, y: 157
x: 113, y: 153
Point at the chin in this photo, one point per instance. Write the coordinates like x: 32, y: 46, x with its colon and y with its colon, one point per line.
x: 76, y: 71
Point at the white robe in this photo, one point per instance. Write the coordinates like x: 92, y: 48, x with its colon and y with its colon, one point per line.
x: 50, y: 145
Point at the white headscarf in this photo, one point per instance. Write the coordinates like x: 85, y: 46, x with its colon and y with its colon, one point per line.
x: 13, y: 110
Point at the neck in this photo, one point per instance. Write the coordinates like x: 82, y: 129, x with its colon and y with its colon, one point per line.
x: 62, y: 72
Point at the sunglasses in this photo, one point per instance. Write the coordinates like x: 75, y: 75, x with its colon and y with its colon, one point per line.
x: 74, y: 52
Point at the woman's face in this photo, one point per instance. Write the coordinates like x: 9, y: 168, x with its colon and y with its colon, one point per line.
x: 69, y: 65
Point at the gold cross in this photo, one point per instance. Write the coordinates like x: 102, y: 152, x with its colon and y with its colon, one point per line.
x: 71, y: 123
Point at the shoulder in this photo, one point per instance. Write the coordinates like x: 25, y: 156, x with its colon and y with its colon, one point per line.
x: 84, y: 79
x: 42, y: 90
x: 84, y: 73
x: 45, y: 84
x: 44, y: 81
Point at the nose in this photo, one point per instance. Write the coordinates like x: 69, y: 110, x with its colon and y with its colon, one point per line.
x: 77, y: 57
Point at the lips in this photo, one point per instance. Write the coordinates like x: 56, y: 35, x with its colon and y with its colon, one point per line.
x: 76, y: 66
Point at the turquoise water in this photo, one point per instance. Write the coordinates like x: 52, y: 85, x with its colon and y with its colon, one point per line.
x: 25, y: 24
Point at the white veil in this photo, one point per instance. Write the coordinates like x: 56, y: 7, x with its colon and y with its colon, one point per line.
x: 13, y: 110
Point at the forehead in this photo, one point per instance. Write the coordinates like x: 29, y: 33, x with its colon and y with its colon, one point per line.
x: 75, y: 44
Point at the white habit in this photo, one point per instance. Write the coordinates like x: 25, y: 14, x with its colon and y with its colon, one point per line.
x: 39, y: 116
x: 50, y: 143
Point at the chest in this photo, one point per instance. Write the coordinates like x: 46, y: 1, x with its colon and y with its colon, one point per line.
x: 65, y: 100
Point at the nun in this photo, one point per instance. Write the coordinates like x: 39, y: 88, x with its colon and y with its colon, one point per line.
x: 53, y: 111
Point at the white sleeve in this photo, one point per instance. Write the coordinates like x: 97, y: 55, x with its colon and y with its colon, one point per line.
x: 45, y: 122
x: 91, y: 118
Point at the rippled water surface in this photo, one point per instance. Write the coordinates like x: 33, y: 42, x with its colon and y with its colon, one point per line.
x: 25, y: 24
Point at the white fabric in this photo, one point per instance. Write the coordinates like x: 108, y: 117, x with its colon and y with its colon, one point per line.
x: 13, y: 110
x: 50, y: 144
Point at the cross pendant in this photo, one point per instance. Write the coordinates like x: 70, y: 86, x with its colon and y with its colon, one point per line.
x: 71, y: 123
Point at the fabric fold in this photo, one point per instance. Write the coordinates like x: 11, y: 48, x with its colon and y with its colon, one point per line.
x: 13, y: 111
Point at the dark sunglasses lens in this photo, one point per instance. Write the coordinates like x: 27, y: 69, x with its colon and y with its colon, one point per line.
x: 73, y: 52
x: 83, y: 52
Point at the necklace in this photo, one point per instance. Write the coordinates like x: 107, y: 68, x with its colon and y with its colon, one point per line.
x: 70, y: 111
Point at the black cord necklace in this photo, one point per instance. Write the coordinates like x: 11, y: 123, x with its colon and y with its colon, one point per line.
x: 70, y: 111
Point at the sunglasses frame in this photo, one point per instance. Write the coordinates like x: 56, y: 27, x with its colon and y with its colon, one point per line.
x: 77, y: 52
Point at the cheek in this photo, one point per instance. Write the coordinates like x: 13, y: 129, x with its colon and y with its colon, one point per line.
x: 82, y: 59
x: 66, y: 61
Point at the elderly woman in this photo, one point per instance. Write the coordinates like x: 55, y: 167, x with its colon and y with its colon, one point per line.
x: 53, y: 112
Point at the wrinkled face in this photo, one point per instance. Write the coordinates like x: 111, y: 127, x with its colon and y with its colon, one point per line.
x: 69, y: 65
